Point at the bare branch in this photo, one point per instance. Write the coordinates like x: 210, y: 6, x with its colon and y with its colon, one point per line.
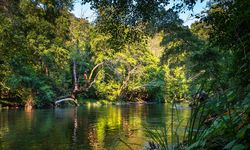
x: 128, y: 77
x: 90, y: 85
x: 92, y: 71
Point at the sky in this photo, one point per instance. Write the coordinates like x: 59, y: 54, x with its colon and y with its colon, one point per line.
x: 84, y: 11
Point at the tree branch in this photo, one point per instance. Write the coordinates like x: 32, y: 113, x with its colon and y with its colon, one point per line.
x: 92, y: 71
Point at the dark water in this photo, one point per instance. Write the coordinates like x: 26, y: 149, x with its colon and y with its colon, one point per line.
x: 85, y: 127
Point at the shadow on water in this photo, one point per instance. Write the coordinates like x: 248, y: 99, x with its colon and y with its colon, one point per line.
x: 85, y: 127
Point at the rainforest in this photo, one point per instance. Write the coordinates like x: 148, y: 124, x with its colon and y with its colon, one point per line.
x: 134, y: 64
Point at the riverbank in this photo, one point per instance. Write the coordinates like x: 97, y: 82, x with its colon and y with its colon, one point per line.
x: 7, y: 104
x: 95, y: 102
x: 81, y: 102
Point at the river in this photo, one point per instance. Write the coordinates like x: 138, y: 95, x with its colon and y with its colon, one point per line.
x: 87, y: 127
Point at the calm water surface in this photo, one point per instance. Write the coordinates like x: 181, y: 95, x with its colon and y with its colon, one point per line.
x: 85, y: 127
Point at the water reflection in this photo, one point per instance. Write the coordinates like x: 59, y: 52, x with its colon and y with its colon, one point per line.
x: 105, y: 127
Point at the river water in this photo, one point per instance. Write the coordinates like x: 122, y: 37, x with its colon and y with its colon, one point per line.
x: 87, y: 127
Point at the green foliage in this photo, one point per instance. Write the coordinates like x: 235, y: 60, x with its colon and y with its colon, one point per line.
x: 33, y: 49
x: 137, y: 11
x: 43, y: 40
x: 227, y: 111
x: 179, y: 45
x: 45, y: 53
x: 133, y: 75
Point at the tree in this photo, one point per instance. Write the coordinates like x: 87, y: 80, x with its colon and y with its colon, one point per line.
x: 32, y: 48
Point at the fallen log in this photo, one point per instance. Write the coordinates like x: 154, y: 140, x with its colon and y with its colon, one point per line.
x: 67, y: 99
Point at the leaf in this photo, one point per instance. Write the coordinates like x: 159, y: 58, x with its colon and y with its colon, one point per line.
x: 231, y: 96
x: 242, y: 131
x: 246, y: 99
x: 196, y: 145
x: 238, y: 147
x: 230, y: 144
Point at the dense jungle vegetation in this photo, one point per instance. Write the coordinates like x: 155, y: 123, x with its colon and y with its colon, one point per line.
x: 133, y: 51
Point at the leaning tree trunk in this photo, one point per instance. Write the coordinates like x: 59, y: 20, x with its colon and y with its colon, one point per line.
x: 90, y: 80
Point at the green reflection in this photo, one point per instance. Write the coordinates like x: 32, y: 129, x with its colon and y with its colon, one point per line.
x: 102, y: 127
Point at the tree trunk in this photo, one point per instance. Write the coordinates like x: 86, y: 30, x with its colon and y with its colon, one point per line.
x: 75, y: 77
x: 29, y: 102
x: 46, y: 70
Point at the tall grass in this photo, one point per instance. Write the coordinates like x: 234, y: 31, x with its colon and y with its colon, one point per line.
x: 160, y: 139
x: 196, y: 126
x: 194, y: 129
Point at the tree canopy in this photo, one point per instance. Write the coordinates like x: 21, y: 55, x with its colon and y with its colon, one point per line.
x: 136, y: 50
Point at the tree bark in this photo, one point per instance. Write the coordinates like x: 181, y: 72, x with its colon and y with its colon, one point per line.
x: 75, y: 77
